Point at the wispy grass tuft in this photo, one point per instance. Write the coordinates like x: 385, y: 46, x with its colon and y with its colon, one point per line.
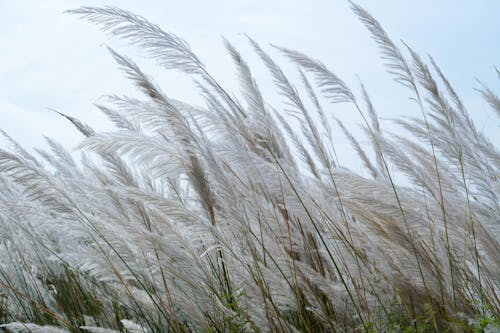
x: 232, y: 217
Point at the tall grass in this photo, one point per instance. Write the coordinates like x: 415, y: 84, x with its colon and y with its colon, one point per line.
x: 231, y: 217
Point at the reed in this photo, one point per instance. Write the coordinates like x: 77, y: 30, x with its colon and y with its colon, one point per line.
x: 232, y: 217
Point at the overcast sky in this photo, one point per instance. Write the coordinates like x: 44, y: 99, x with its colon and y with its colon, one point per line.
x: 49, y: 59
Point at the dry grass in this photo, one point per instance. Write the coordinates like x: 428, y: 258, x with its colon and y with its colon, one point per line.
x: 226, y: 218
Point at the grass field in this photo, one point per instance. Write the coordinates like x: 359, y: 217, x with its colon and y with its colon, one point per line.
x: 236, y: 216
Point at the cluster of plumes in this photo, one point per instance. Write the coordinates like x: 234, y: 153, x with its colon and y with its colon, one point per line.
x: 227, y: 218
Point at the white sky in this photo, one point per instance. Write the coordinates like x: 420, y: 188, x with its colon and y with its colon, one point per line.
x: 53, y: 60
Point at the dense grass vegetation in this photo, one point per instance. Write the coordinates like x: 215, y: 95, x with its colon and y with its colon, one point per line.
x: 231, y: 217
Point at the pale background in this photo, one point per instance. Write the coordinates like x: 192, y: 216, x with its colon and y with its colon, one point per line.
x: 49, y: 59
